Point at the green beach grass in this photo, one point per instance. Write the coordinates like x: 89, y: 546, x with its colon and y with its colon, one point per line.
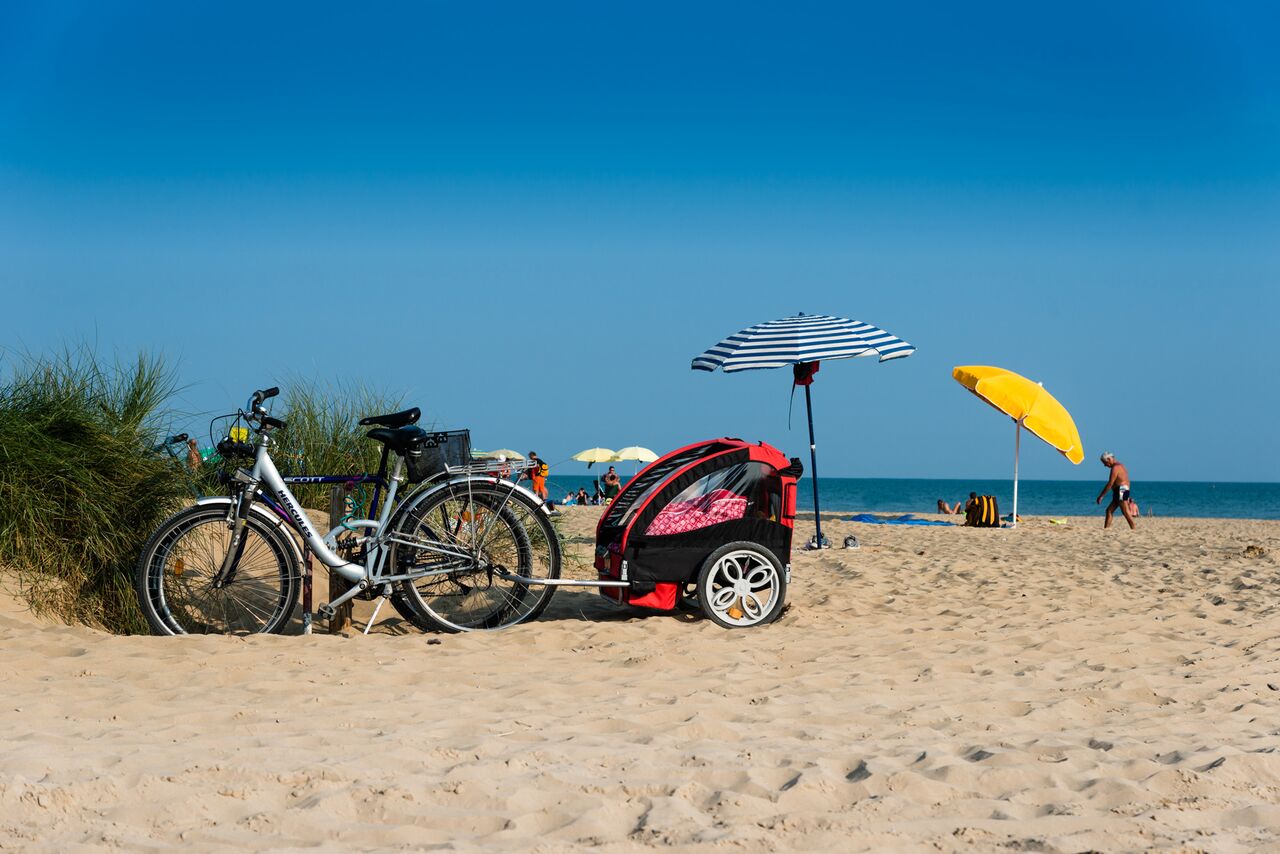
x: 80, y: 488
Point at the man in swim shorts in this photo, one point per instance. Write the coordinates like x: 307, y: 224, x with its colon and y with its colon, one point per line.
x: 1119, y: 485
x: 538, y: 471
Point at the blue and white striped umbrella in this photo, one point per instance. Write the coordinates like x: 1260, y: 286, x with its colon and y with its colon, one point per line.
x: 805, y: 339
x: 799, y: 339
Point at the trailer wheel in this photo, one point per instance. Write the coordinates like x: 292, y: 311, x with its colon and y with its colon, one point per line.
x: 742, y: 585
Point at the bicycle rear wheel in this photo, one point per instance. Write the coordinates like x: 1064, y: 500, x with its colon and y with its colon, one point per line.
x: 174, y: 580
x: 491, y: 531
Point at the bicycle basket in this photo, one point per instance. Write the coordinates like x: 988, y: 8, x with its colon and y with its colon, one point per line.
x: 437, y: 452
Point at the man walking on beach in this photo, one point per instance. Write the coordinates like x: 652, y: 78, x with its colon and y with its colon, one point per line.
x: 1119, y: 485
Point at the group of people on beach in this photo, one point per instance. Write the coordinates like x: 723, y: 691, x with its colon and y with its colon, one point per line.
x: 1118, y: 484
x: 537, y: 470
x: 605, y: 490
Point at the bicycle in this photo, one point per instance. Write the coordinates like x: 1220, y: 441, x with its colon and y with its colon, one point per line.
x: 461, y: 551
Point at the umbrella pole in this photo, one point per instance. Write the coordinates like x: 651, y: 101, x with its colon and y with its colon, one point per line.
x: 813, y: 470
x: 1017, y: 443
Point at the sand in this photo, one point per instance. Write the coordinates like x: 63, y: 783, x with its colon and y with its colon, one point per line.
x: 1053, y: 688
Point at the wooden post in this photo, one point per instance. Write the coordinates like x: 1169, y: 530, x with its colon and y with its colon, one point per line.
x: 341, y: 621
x: 306, y: 590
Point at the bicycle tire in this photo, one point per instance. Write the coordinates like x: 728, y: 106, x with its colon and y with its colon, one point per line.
x: 517, y: 536
x: 179, y: 561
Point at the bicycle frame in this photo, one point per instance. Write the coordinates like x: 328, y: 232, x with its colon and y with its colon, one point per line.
x: 283, y: 502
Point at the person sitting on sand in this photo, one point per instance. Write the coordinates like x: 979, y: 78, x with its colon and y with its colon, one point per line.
x: 944, y: 507
x: 1119, y: 485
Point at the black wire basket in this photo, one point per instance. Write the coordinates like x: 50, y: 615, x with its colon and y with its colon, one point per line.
x: 437, y: 453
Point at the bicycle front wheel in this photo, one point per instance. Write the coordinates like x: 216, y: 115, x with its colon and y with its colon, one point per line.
x: 466, y: 541
x: 175, y: 577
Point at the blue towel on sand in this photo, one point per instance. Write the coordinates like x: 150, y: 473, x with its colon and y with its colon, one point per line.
x: 908, y: 519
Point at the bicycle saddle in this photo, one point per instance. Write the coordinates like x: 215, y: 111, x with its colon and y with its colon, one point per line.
x: 398, y: 439
x: 395, y: 419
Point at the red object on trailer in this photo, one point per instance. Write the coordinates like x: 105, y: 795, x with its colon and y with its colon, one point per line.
x: 715, y: 515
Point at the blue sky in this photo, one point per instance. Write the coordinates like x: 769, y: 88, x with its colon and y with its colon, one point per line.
x: 529, y: 218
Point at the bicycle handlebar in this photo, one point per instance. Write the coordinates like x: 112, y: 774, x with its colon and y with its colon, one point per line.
x: 176, y: 439
x: 261, y: 395
x: 255, y: 412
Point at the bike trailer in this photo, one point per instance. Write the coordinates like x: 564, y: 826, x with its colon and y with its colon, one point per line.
x: 718, y: 515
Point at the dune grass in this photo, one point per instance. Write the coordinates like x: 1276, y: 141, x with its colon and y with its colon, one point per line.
x: 81, y: 489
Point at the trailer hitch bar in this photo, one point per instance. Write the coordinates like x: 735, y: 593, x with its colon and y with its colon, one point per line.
x: 558, y: 582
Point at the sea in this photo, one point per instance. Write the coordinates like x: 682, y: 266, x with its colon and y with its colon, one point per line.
x: 1035, y: 497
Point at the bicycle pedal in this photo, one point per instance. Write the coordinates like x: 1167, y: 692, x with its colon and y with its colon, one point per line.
x: 327, y: 611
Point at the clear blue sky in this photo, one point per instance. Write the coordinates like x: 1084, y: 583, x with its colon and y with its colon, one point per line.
x: 528, y: 218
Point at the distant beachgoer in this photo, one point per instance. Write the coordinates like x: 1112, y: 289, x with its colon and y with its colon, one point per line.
x: 538, y: 471
x: 193, y: 455
x: 582, y: 498
x: 1119, y: 484
x: 944, y: 507
x: 612, y: 484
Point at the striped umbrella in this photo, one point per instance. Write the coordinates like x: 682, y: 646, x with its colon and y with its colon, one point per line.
x: 803, y: 342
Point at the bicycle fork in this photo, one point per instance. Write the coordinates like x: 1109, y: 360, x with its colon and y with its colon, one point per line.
x: 239, y: 514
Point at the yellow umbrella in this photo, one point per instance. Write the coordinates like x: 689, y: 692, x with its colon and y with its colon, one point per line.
x: 501, y: 452
x: 594, y: 455
x: 1029, y: 405
x: 635, y: 452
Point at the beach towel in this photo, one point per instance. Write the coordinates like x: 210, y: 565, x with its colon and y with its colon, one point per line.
x: 907, y: 519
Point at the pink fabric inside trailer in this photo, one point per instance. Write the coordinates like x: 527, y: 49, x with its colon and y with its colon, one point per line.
x: 717, y: 506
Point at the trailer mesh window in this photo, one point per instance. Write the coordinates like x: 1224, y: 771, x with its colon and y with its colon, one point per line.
x: 720, y: 496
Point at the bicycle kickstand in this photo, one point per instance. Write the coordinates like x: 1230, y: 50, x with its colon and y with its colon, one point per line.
x: 386, y: 594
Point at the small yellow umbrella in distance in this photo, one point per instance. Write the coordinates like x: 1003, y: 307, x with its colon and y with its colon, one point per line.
x: 1030, y: 406
x: 501, y: 452
x: 637, y: 453
x: 593, y: 455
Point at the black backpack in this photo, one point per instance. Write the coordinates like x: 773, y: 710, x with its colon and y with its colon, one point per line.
x: 982, y: 512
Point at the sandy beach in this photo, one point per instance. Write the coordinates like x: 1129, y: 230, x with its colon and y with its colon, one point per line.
x: 1053, y: 688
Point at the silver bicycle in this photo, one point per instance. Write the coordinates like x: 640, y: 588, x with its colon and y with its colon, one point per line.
x: 462, y: 550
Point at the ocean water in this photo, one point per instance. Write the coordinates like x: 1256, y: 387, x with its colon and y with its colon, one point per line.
x: 1035, y: 497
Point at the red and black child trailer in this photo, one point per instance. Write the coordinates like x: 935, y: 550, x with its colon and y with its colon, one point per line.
x: 717, y: 515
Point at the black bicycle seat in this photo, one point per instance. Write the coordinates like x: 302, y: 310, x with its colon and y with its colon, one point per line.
x: 395, y: 419
x: 399, y: 439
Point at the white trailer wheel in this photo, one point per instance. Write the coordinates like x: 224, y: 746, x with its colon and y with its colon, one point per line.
x: 742, y: 585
